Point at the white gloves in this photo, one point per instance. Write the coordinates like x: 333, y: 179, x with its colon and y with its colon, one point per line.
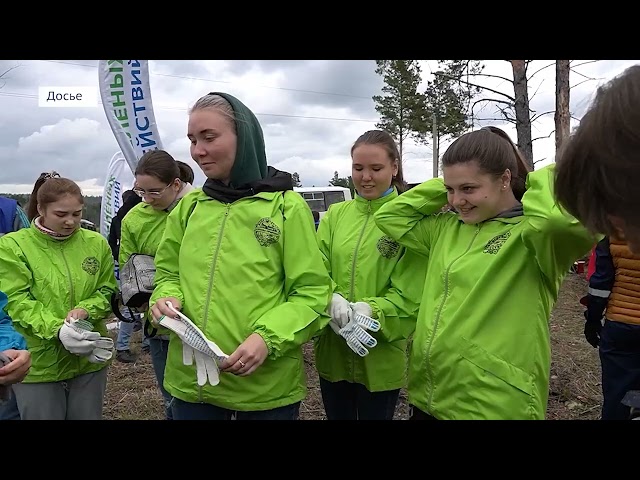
x: 76, y: 336
x: 103, y: 350
x: 206, y: 366
x: 195, y: 345
x: 358, y: 321
x: 339, y: 310
x: 76, y: 339
x: 363, y: 308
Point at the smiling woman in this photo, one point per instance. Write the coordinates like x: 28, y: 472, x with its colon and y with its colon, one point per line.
x: 484, y: 174
x: 494, y: 269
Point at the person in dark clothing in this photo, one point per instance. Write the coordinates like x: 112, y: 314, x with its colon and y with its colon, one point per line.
x: 129, y: 200
x: 613, y: 322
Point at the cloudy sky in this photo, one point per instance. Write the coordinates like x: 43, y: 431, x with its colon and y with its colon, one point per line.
x: 311, y: 112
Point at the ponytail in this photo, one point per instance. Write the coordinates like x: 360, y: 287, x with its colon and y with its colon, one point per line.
x: 519, y: 176
x: 32, y: 206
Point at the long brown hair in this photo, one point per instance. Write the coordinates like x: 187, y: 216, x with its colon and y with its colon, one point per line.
x: 494, y: 151
x: 598, y: 166
x: 49, y: 188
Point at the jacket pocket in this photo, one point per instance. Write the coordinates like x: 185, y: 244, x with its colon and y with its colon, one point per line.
x: 498, y: 367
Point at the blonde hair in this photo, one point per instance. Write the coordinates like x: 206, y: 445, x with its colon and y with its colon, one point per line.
x: 216, y: 102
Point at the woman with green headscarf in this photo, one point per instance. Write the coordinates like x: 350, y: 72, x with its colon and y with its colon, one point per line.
x: 239, y: 259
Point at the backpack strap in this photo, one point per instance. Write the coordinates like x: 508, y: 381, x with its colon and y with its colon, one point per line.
x: 149, y: 330
x: 115, y: 307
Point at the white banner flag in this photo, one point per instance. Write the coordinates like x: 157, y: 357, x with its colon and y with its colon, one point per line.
x: 119, y: 179
x: 126, y: 97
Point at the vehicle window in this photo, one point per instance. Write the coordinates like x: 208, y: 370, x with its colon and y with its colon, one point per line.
x: 333, y: 197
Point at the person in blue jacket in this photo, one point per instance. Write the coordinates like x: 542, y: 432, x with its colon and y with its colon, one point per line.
x: 13, y: 347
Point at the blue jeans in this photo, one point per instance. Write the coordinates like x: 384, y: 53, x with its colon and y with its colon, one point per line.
x: 620, y: 360
x: 158, y: 348
x: 352, y: 401
x: 204, y: 411
x: 9, y: 409
x: 126, y: 330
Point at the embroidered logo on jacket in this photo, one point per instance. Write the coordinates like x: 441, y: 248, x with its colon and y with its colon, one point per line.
x: 494, y: 245
x: 388, y: 247
x: 266, y: 232
x: 91, y: 265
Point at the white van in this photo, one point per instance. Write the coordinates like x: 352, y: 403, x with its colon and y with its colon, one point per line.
x: 320, y: 198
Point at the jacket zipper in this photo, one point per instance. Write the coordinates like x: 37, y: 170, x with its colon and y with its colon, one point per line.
x: 444, y: 299
x: 353, y: 277
x: 71, y: 289
x: 211, y: 275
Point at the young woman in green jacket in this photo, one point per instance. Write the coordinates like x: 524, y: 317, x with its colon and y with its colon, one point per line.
x: 53, y: 273
x: 372, y: 275
x: 481, y: 348
x: 162, y: 182
x: 239, y: 259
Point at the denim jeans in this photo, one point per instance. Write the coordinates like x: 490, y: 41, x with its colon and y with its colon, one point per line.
x: 158, y: 348
x: 352, y: 401
x: 204, y: 411
x: 620, y: 359
x: 9, y: 409
x: 126, y: 330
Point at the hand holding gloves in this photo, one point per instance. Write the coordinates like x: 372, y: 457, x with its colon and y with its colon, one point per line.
x: 195, y: 345
x: 351, y: 321
x: 76, y: 336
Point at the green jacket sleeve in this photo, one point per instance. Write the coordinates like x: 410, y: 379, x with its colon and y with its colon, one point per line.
x: 16, y: 280
x: 409, y: 218
x: 167, y: 277
x: 126, y: 242
x: 556, y: 238
x: 307, y: 284
x: 98, y: 305
x: 323, y: 236
x: 397, y: 310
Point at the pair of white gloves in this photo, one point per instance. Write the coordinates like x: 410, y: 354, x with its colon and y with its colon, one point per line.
x: 78, y: 338
x: 351, y: 321
x: 195, y: 345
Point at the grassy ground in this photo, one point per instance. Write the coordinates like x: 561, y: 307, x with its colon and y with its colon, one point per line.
x: 574, y: 391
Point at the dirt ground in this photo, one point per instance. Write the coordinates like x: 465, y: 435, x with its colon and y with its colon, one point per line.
x: 574, y: 391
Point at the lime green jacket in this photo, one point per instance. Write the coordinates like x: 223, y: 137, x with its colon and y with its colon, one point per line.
x: 44, y: 279
x: 368, y: 266
x: 141, y: 232
x: 251, y: 266
x: 481, y: 348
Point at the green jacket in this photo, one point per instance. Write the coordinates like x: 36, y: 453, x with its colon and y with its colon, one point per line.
x: 44, y: 279
x: 366, y: 265
x: 142, y: 230
x: 239, y: 268
x: 481, y: 348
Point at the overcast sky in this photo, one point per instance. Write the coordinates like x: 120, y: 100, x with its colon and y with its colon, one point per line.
x: 311, y: 113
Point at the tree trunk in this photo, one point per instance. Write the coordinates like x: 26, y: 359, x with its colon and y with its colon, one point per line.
x: 523, y: 119
x: 562, y: 115
x: 436, y: 154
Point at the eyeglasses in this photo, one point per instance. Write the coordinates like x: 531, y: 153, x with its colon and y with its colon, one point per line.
x: 156, y: 194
